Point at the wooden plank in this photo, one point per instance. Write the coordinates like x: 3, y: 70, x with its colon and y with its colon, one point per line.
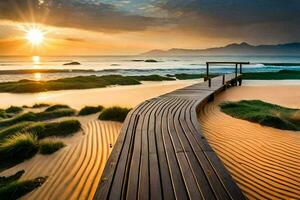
x: 118, y: 189
x: 166, y: 179
x: 110, y: 168
x: 137, y: 153
x: 176, y: 176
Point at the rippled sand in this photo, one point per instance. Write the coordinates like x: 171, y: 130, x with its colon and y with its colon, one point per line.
x: 264, y: 161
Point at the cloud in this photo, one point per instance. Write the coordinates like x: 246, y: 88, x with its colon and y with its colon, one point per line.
x: 240, y: 19
x: 91, y: 15
x: 236, y: 12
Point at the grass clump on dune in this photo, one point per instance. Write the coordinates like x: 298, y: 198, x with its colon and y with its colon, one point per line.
x: 114, y: 114
x: 50, y: 146
x: 57, y: 107
x: 6, y: 180
x: 153, y: 78
x: 13, y: 129
x: 87, y: 110
x: 16, y: 188
x: 14, y: 109
x: 41, y: 116
x: 40, y: 105
x: 18, y: 148
x: 10, y: 112
x: 264, y: 113
x: 43, y: 129
x: 63, y: 128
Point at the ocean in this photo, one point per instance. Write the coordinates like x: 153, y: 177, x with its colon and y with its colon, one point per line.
x: 133, y: 65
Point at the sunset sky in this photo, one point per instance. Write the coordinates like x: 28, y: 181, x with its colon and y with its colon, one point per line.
x: 114, y: 27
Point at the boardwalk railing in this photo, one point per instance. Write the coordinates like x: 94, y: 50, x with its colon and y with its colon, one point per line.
x: 236, y: 64
x: 162, y: 153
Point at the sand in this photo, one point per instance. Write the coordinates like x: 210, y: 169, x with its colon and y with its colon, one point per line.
x: 264, y: 161
x: 74, y: 171
x: 128, y: 96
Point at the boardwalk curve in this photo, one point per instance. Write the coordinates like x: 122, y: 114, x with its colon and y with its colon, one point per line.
x: 161, y: 152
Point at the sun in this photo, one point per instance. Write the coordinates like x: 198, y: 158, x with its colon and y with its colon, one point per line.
x: 35, y: 36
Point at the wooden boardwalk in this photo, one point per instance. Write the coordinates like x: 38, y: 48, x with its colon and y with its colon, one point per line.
x: 161, y: 152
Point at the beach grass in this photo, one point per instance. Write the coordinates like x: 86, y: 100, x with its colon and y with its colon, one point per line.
x: 9, y: 179
x: 41, y: 116
x: 40, y: 105
x: 50, y: 146
x: 18, y: 148
x: 280, y: 75
x: 8, y: 131
x: 16, y: 189
x: 87, y: 110
x: 79, y: 82
x: 264, y: 113
x: 58, y: 129
x: 14, y: 109
x: 184, y: 76
x: 43, y: 129
x: 10, y: 112
x: 114, y: 114
x: 57, y: 107
x: 153, y: 78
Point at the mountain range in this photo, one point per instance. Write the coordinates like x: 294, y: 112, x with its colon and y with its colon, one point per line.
x: 232, y: 49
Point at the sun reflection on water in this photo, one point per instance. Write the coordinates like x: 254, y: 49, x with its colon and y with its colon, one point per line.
x: 36, y: 60
x: 37, y: 76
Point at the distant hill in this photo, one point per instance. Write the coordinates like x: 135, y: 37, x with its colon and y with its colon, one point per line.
x: 233, y: 49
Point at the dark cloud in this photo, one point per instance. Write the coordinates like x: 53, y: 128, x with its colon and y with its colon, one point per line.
x: 276, y: 20
x: 237, y: 12
x: 90, y: 15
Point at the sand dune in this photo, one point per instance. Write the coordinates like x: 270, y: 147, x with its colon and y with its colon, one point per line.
x: 264, y: 161
x: 74, y: 171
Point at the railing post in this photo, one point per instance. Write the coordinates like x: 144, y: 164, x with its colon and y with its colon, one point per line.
x: 207, y: 70
x: 223, y: 81
x: 241, y: 69
x: 209, y: 82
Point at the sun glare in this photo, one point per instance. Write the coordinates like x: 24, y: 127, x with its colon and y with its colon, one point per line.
x: 36, y: 59
x: 35, y: 36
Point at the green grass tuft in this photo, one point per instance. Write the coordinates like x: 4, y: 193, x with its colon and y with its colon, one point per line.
x: 19, y: 188
x: 50, y: 146
x: 87, y: 110
x: 14, y: 109
x: 41, y: 116
x: 62, y: 129
x: 7, y: 180
x: 114, y: 114
x: 153, y: 78
x: 40, y: 105
x: 190, y: 76
x: 57, y: 107
x: 18, y: 148
x: 13, y: 129
x: 264, y: 113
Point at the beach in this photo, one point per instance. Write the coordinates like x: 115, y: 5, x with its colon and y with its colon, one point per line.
x: 263, y: 161
x: 74, y: 171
